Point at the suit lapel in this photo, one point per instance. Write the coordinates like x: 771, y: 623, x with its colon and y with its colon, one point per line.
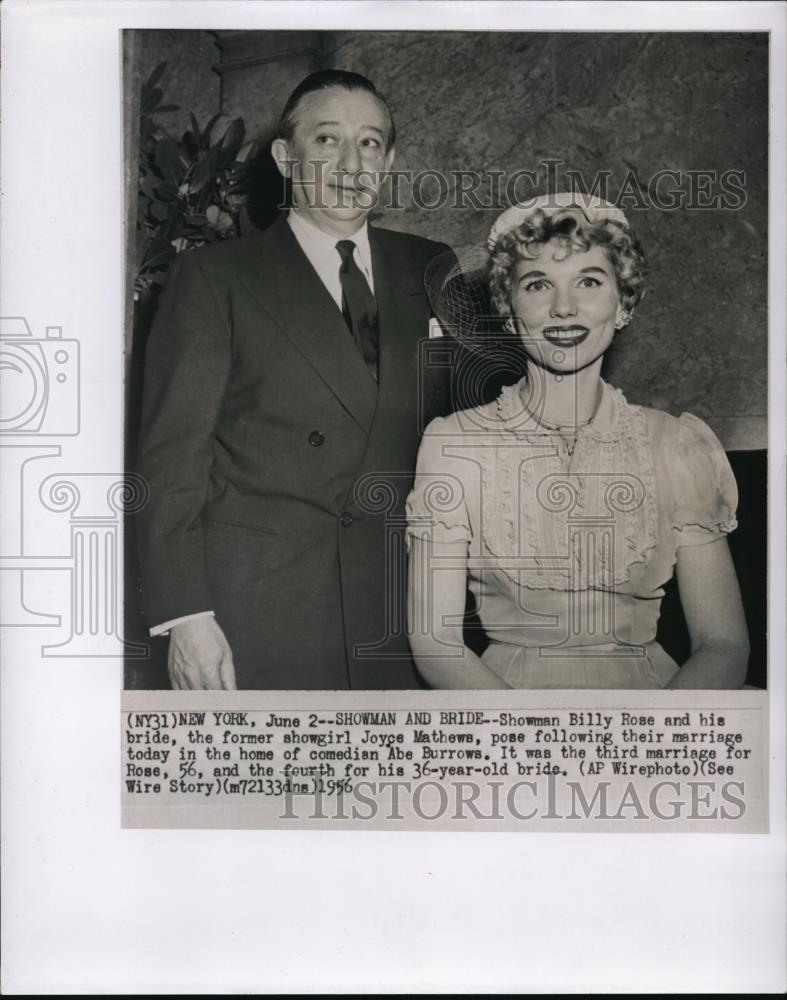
x: 398, y: 288
x: 390, y: 449
x: 284, y: 283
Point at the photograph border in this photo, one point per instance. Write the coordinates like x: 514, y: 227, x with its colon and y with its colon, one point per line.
x: 89, y: 907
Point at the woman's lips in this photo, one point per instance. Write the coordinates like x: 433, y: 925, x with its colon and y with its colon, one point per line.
x: 565, y: 336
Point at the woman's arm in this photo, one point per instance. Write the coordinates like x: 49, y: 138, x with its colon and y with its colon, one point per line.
x: 712, y: 605
x: 437, y: 588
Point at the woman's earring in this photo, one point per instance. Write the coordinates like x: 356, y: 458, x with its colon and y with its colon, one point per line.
x: 623, y: 318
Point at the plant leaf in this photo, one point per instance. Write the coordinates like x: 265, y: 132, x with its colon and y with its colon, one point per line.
x: 142, y: 244
x: 246, y: 152
x: 166, y: 191
x: 150, y: 101
x: 208, y: 129
x: 189, y: 143
x: 147, y: 185
x: 205, y: 169
x: 159, y: 245
x: 159, y: 210
x: 146, y: 129
x: 232, y: 141
x: 160, y: 259
x: 154, y: 78
x: 168, y: 159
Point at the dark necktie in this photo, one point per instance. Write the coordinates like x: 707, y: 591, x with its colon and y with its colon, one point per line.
x: 359, y: 306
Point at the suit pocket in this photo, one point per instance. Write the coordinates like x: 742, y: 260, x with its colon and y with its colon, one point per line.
x: 242, y: 529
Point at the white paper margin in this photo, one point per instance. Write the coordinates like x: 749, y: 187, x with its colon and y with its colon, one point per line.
x: 89, y: 907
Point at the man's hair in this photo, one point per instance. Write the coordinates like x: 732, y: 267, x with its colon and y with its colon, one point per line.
x: 324, y: 79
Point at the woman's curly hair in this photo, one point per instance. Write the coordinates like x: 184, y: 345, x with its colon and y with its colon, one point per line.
x: 577, y: 233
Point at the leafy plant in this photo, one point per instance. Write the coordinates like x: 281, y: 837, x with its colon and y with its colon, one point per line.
x: 191, y: 190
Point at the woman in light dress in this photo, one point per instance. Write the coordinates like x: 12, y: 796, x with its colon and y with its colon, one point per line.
x: 562, y: 506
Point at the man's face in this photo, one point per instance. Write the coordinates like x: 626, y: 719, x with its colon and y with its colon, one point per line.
x: 336, y: 157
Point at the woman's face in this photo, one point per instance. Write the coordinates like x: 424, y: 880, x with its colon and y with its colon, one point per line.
x: 566, y: 304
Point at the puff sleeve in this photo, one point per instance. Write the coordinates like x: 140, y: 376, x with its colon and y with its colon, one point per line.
x: 437, y: 505
x: 705, y: 492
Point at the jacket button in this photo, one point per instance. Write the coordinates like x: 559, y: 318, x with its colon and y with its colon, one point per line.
x: 346, y: 520
x: 316, y: 439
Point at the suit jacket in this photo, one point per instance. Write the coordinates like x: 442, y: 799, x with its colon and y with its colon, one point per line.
x: 277, y: 467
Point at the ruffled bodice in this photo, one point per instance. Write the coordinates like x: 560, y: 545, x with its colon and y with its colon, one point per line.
x: 544, y: 522
x: 544, y: 495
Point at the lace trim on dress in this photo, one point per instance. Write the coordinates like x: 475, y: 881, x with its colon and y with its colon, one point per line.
x: 435, y: 509
x: 435, y: 529
x: 706, y: 494
x: 559, y: 524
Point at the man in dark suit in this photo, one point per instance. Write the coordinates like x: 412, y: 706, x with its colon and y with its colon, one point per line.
x: 282, y: 409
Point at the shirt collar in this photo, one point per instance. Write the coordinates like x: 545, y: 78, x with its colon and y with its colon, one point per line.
x: 604, y: 425
x: 319, y: 242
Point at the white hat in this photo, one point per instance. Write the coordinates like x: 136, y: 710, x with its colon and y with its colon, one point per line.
x: 596, y: 209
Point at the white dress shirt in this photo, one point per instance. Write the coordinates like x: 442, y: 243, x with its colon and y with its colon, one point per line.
x: 323, y: 256
x: 320, y: 248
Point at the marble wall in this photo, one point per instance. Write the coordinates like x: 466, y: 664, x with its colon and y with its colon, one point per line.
x: 189, y: 79
x: 633, y: 105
